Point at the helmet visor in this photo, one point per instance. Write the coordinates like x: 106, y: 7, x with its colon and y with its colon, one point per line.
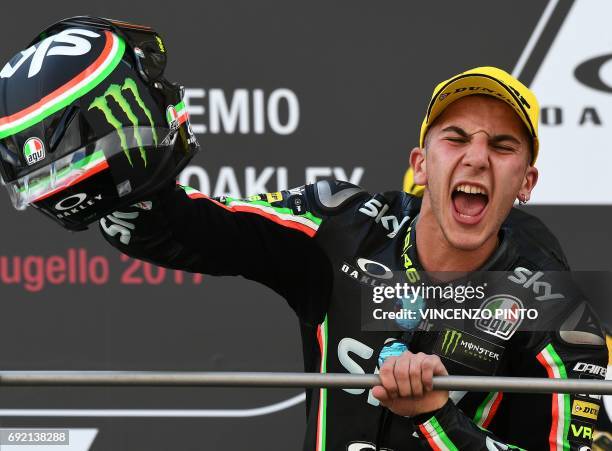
x: 134, y: 142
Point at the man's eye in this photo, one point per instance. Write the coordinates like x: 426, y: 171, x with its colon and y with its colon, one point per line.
x: 455, y: 139
x: 502, y: 148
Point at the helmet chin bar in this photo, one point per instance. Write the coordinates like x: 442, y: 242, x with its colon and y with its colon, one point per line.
x: 87, y: 161
x: 105, y: 181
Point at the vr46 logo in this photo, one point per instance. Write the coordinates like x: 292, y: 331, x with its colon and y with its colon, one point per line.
x: 581, y: 430
x: 115, y: 92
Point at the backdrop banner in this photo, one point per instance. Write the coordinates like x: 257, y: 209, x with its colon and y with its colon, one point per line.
x: 279, y: 94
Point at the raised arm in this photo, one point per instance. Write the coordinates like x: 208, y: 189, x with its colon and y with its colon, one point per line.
x: 269, y: 238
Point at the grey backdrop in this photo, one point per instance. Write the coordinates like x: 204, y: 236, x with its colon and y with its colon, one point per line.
x: 362, y: 73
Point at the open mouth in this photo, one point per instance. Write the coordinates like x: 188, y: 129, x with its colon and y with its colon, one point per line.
x: 469, y: 202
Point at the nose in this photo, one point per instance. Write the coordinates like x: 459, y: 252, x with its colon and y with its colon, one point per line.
x: 477, y: 152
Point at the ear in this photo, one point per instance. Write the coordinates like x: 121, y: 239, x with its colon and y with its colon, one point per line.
x: 417, y: 162
x: 529, y: 182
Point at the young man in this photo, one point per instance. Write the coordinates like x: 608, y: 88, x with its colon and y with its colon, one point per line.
x: 318, y: 245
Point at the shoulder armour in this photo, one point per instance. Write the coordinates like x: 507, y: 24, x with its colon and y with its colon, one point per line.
x: 535, y: 241
x: 333, y: 195
x: 581, y: 327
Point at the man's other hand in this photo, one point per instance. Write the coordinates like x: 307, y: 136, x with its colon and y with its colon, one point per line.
x: 407, y: 384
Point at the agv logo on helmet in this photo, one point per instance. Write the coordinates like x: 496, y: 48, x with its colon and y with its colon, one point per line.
x: 33, y: 150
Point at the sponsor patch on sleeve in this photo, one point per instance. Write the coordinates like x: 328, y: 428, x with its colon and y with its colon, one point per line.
x: 274, y: 197
x: 469, y: 350
x: 580, y: 432
x: 297, y: 204
x: 585, y: 409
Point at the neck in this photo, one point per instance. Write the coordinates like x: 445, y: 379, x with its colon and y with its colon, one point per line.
x: 437, y: 254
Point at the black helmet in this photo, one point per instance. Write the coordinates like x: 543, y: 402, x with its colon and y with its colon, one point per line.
x: 88, y: 123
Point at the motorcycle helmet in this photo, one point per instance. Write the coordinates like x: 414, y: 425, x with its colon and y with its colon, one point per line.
x: 88, y: 123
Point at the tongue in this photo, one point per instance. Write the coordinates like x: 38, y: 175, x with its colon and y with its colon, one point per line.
x: 469, y: 204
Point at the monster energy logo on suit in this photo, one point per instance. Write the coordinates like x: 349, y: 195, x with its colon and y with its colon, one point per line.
x: 451, y: 339
x: 115, y: 92
x: 469, y: 350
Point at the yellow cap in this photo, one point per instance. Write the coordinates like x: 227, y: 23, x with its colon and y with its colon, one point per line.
x: 488, y: 81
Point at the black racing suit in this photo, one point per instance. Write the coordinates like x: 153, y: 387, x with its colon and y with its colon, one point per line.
x: 318, y: 245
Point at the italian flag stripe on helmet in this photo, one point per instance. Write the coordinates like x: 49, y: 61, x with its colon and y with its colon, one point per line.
x: 92, y: 76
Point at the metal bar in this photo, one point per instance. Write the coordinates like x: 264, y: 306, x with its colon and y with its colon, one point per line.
x: 301, y: 380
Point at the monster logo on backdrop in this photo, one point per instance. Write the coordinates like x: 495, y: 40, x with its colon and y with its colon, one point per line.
x: 115, y: 92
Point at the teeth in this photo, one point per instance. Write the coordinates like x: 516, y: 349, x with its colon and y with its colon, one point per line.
x: 470, y: 189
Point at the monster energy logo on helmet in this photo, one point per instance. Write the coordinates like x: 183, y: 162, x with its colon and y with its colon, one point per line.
x: 115, y: 92
x: 451, y: 340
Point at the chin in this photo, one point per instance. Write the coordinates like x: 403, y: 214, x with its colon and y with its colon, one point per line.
x: 467, y: 241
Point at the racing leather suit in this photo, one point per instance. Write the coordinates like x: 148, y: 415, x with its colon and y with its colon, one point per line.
x: 318, y: 245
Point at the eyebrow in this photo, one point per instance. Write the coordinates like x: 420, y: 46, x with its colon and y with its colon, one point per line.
x: 495, y: 139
